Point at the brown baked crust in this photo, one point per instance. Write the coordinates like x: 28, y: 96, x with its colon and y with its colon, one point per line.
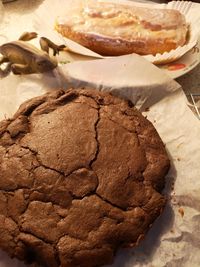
x: 106, y: 46
x: 81, y: 174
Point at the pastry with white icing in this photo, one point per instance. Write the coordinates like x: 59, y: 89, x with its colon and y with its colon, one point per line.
x: 115, y: 29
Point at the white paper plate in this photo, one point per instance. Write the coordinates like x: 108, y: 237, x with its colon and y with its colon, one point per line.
x: 174, y: 69
x: 183, y: 65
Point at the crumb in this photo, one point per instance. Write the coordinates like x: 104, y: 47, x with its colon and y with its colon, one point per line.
x: 147, y: 109
x: 172, y: 231
x: 154, y: 121
x: 178, y: 159
x: 181, y: 211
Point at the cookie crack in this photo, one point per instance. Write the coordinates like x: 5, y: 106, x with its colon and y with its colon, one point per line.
x: 14, y: 189
x: 87, y: 104
x: 35, y: 235
x: 41, y: 164
x: 54, y: 246
x: 109, y: 202
x: 36, y: 154
x: 97, y: 139
x: 57, y: 257
x: 75, y: 197
x: 99, y: 100
x: 119, y: 124
x: 89, y: 96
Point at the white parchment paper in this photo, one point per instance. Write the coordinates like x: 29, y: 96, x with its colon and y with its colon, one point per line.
x: 174, y: 239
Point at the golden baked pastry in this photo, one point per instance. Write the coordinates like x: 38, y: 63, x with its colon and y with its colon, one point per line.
x: 116, y: 29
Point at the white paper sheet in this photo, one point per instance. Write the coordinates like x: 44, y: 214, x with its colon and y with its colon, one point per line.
x: 174, y: 238
x: 124, y: 76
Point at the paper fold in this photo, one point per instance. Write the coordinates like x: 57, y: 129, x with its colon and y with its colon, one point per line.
x: 122, y: 76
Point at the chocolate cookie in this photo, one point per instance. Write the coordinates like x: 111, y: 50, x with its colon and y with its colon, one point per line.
x: 81, y: 174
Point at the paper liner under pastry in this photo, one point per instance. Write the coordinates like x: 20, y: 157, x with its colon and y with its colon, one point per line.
x: 192, y: 15
x: 45, y: 24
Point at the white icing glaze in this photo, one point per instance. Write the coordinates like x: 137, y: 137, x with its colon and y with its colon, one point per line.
x: 129, y: 23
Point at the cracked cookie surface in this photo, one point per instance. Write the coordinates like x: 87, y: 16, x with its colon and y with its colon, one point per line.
x: 81, y: 174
